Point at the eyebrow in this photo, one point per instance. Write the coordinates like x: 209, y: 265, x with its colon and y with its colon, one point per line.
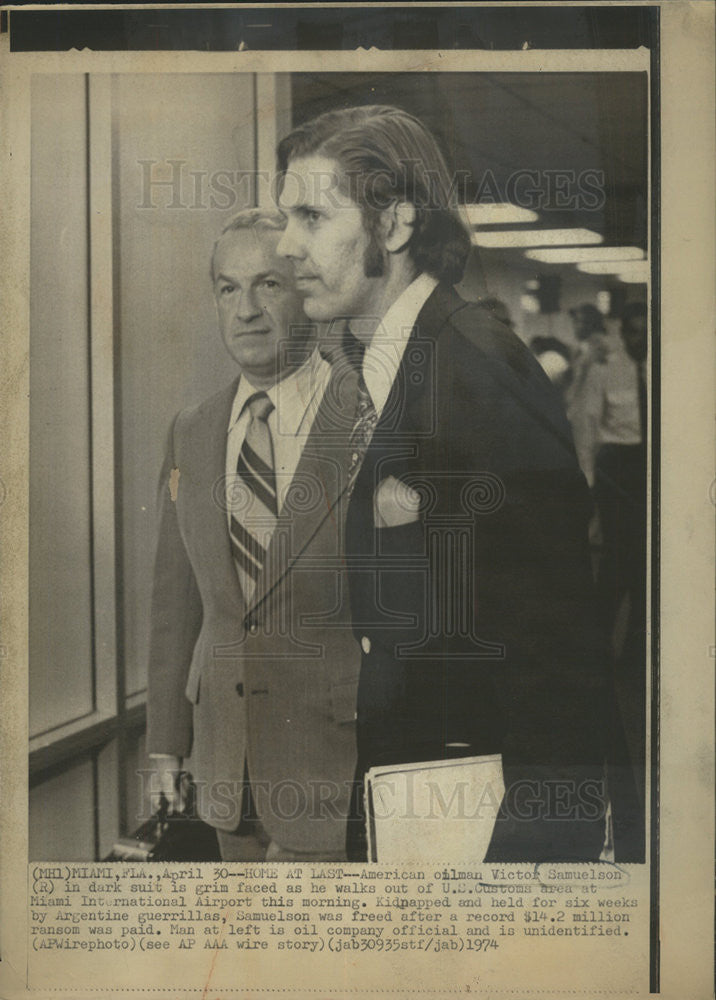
x: 302, y: 206
x: 256, y: 278
x: 272, y: 273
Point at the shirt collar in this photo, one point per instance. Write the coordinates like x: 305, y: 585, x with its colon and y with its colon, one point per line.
x: 295, y: 392
x: 385, y: 352
x: 399, y: 320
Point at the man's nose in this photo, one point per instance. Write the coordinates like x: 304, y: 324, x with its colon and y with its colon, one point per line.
x: 288, y: 245
x: 248, y: 307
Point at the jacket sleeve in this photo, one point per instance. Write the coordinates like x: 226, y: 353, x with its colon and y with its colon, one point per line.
x: 176, y: 618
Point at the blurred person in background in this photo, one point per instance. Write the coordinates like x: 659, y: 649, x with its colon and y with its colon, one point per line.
x: 615, y: 406
x: 590, y: 333
x: 615, y: 400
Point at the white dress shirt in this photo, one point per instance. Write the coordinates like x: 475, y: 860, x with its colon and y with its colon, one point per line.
x: 385, y: 352
x: 296, y: 399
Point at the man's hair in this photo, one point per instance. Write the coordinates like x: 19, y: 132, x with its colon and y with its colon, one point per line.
x: 592, y: 319
x: 385, y: 154
x: 260, y: 219
x: 632, y: 311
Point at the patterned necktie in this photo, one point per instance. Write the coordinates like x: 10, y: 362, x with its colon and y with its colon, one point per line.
x: 254, y: 522
x: 345, y: 353
x: 365, y: 423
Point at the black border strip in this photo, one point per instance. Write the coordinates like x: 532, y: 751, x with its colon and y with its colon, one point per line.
x: 655, y: 448
x: 345, y: 28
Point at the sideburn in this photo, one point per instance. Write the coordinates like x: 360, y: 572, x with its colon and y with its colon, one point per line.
x: 373, y: 259
x: 373, y: 255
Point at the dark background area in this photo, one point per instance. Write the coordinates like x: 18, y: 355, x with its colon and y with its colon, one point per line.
x: 445, y: 27
x: 491, y: 126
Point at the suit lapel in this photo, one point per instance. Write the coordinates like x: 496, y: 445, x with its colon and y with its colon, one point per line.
x: 320, y: 479
x: 210, y: 470
x: 410, y: 404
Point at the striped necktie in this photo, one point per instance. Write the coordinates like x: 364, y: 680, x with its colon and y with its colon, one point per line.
x: 252, y: 526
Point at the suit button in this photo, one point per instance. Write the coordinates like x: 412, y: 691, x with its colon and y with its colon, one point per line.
x: 365, y: 644
x: 240, y: 690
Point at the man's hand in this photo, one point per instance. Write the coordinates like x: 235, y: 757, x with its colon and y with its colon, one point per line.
x: 165, y: 780
x: 395, y: 503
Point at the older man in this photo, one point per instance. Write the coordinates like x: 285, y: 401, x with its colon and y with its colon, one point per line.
x: 471, y: 588
x: 253, y: 670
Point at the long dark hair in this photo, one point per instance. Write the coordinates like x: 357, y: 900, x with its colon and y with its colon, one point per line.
x: 385, y: 154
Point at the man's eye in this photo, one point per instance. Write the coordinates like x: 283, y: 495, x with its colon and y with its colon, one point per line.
x: 270, y: 283
x: 311, y: 216
x: 226, y: 289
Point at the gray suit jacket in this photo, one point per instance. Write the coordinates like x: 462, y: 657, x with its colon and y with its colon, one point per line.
x: 274, y: 682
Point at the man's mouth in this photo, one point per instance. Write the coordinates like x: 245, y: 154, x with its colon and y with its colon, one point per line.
x: 258, y: 332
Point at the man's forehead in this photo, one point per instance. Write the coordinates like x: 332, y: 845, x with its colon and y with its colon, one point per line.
x: 248, y: 248
x: 311, y: 180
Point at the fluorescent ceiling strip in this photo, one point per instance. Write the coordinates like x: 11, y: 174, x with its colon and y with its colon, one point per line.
x: 534, y: 237
x: 615, y: 267
x: 497, y: 214
x: 634, y: 274
x: 565, y: 255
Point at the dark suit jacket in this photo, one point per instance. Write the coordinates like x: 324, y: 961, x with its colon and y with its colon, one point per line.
x: 480, y: 618
x: 274, y: 681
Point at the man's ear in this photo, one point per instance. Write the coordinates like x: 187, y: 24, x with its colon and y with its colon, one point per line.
x: 398, y: 222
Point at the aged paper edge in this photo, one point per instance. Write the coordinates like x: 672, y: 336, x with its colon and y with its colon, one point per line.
x: 687, y: 490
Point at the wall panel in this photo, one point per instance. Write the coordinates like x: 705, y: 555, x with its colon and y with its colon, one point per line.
x: 168, y: 349
x: 62, y: 816
x: 61, y: 641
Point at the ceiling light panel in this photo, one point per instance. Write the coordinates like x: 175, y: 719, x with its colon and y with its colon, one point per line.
x: 497, y: 214
x: 575, y: 255
x: 614, y: 267
x: 534, y: 237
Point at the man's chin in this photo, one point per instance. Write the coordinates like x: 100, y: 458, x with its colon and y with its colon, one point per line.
x: 261, y: 380
x: 316, y: 312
